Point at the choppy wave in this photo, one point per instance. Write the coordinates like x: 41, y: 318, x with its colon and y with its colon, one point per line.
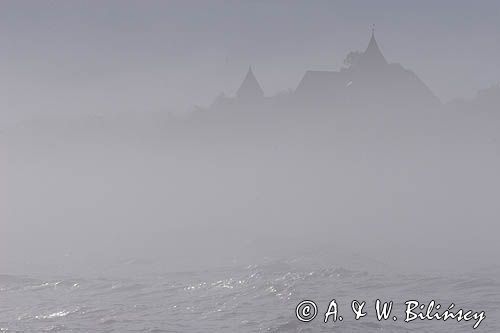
x: 238, y: 299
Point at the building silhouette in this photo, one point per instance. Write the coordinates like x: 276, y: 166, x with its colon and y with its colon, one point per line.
x: 250, y: 89
x: 368, y: 80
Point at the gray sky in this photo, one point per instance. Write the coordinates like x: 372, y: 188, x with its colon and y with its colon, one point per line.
x: 86, y: 56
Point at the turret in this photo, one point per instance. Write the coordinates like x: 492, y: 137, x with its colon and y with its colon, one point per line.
x: 250, y: 89
x: 372, y: 58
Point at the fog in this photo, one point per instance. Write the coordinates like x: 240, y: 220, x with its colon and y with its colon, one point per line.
x: 105, y: 156
x: 410, y: 189
x: 190, y: 166
x: 118, y: 56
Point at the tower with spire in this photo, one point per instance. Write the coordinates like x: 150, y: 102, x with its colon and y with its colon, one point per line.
x: 250, y: 89
x: 369, y: 80
x: 372, y: 58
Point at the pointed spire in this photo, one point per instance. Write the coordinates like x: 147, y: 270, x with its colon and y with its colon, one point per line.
x: 373, y: 57
x: 250, y: 88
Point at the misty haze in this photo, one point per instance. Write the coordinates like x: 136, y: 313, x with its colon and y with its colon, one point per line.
x: 188, y: 166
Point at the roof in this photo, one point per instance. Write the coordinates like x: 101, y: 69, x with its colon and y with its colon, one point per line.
x: 320, y: 82
x: 372, y: 57
x: 250, y: 87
